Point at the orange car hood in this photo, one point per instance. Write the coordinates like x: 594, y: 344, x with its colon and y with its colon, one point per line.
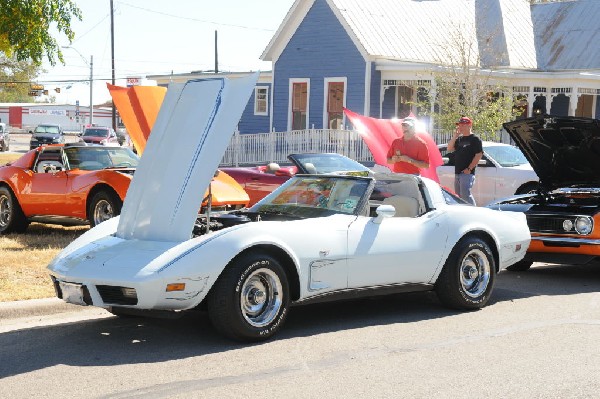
x: 188, y: 140
x: 138, y: 107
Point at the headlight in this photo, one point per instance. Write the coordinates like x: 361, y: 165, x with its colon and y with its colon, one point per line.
x: 583, y: 225
x: 567, y: 225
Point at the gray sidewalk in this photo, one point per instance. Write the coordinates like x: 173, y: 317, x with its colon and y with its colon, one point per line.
x: 34, y: 307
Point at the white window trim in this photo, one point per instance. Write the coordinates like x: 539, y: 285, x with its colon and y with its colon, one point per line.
x: 256, y: 89
x: 291, y: 86
x: 326, y: 82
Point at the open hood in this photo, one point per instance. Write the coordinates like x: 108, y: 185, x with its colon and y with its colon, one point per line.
x: 193, y: 128
x: 564, y: 151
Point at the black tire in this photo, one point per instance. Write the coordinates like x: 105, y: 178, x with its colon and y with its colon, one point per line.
x: 103, y: 206
x: 12, y: 219
x: 528, y: 188
x: 467, y: 279
x: 250, y: 299
x: 520, y: 266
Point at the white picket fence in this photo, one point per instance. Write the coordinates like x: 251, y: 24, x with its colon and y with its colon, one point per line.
x: 262, y: 148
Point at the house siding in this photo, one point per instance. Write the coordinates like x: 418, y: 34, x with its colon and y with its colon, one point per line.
x: 319, y: 48
x: 250, y: 123
x: 375, y: 104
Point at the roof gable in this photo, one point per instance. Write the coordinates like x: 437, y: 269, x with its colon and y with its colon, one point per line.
x: 499, y: 33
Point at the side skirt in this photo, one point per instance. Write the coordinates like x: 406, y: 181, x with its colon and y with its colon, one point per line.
x: 353, y: 293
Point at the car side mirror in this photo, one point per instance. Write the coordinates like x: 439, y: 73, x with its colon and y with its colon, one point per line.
x: 384, y: 212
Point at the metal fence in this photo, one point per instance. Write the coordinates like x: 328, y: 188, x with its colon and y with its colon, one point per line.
x: 262, y: 148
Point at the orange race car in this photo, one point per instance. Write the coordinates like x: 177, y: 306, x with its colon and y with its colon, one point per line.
x: 68, y: 184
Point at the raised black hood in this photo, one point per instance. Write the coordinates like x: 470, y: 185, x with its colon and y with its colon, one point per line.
x: 564, y: 151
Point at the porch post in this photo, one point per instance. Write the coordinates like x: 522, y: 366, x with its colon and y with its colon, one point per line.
x: 573, y: 100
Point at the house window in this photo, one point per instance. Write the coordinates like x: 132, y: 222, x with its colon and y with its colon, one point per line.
x: 261, y: 96
x: 299, y: 105
x: 335, y: 104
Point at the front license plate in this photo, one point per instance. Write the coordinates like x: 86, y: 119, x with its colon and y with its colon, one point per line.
x: 72, y: 293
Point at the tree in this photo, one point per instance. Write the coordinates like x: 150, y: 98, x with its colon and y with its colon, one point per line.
x: 463, y: 88
x: 25, y: 27
x: 14, y: 79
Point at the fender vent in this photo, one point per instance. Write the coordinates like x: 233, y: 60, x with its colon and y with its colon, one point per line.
x: 117, y: 295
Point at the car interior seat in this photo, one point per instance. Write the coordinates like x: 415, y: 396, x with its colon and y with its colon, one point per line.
x: 47, y: 166
x: 272, y: 167
x: 405, y: 206
x: 310, y: 168
x: 406, y: 198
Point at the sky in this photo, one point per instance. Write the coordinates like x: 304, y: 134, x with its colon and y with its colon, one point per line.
x: 154, y: 37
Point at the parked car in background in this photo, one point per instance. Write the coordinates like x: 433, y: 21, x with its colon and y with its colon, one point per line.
x: 258, y: 181
x: 564, y: 215
x: 4, y: 138
x: 46, y: 134
x: 81, y: 184
x: 502, y: 172
x: 102, y: 135
x: 64, y: 185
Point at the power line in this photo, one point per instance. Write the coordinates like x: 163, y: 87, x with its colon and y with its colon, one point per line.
x: 194, y: 19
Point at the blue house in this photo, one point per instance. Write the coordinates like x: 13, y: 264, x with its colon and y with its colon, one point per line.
x: 379, y: 57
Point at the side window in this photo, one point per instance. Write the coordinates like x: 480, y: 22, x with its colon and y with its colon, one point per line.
x: 49, y: 160
x: 261, y: 100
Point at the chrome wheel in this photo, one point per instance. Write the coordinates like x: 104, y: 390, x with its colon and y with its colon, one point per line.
x: 103, y: 211
x: 261, y: 297
x: 475, y: 273
x: 5, y: 211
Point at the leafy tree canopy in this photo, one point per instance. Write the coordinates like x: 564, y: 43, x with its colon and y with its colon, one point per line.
x: 26, y: 26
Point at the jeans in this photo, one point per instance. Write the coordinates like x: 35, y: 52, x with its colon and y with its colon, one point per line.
x: 463, y: 183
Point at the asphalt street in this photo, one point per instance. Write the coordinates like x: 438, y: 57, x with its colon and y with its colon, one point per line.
x: 538, y: 338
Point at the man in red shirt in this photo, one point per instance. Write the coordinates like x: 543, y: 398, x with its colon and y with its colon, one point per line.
x: 409, y: 153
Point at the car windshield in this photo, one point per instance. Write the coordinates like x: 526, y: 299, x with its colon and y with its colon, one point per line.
x: 310, y: 196
x: 506, y: 155
x: 47, y: 129
x: 95, y: 133
x: 328, y: 163
x: 96, y: 158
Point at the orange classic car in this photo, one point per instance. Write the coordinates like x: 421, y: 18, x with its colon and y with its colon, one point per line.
x: 67, y: 184
x: 564, y: 214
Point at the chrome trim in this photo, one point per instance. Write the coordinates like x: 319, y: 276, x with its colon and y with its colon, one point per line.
x: 581, y: 241
x: 366, y: 291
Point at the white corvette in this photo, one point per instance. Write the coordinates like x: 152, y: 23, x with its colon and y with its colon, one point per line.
x: 315, y: 238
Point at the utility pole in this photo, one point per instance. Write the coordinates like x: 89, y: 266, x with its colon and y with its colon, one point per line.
x: 91, y: 89
x: 91, y: 65
x: 112, y: 51
x: 216, y: 55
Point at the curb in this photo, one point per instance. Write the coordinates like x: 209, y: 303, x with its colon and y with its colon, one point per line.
x: 35, y: 307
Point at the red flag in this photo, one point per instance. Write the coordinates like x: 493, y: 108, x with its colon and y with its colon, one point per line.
x: 379, y: 134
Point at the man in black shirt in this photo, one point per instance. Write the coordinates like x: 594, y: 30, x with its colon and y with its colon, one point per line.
x: 468, y: 151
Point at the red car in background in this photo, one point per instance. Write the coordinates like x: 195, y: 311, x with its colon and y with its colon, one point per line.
x: 102, y: 135
x: 259, y: 181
